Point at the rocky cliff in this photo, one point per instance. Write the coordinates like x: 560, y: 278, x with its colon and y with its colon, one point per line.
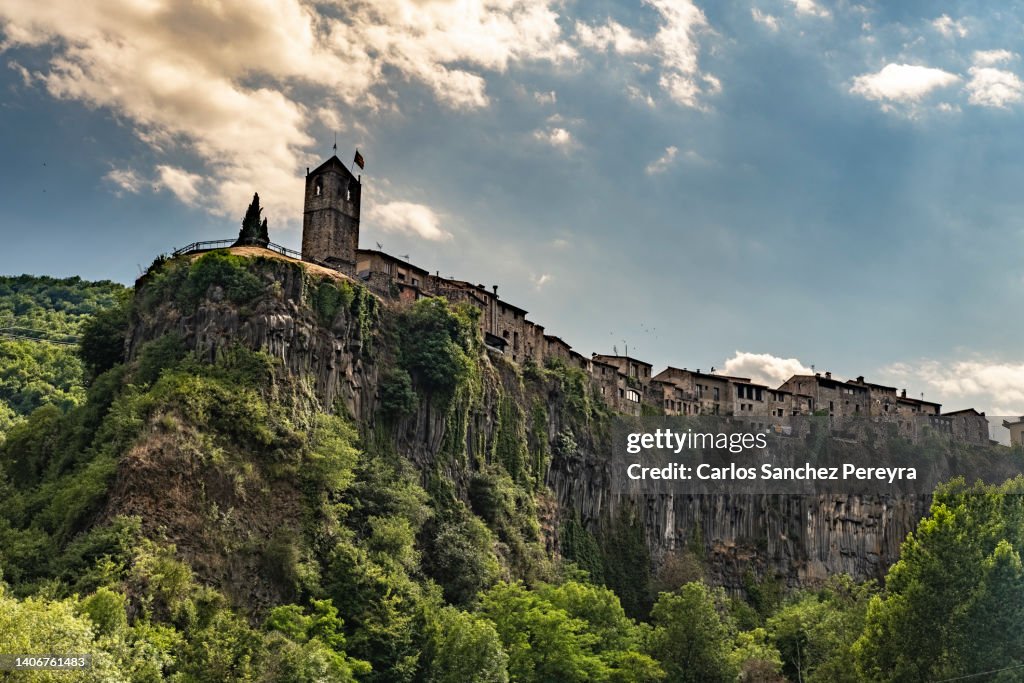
x: 552, y: 420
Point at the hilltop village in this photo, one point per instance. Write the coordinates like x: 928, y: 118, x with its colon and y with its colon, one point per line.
x: 330, y: 238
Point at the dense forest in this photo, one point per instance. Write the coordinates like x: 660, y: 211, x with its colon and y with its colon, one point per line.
x: 34, y: 373
x: 339, y: 557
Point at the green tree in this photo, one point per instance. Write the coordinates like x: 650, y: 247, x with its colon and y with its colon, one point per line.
x: 462, y: 648
x: 951, y: 605
x: 543, y: 642
x: 103, y: 337
x: 41, y: 626
x: 691, y: 638
x: 254, y: 229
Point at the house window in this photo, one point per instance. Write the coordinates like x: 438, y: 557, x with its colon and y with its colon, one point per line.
x: 633, y: 395
x: 716, y: 393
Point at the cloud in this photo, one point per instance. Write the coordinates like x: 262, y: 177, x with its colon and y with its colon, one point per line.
x: 230, y: 83
x: 766, y: 20
x: 662, y: 163
x: 902, y: 82
x: 675, y: 46
x: 764, y: 368
x: 949, y: 27
x: 638, y: 95
x: 810, y: 8
x: 992, y: 57
x: 990, y: 87
x: 181, y: 183
x: 549, y: 97
x: 993, y: 386
x: 408, y: 218
x: 125, y: 180
x: 679, y: 50
x: 26, y: 76
x: 611, y: 36
x: 541, y: 280
x: 556, y: 137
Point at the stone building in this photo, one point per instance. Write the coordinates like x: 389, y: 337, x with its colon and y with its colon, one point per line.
x: 832, y: 397
x: 700, y: 393
x: 882, y: 398
x: 969, y: 426
x: 330, y: 218
x: 330, y: 236
x: 391, y: 275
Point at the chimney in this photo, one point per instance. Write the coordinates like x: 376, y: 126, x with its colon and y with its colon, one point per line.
x: 860, y: 380
x: 307, y: 170
x: 817, y: 374
x: 828, y: 375
x: 495, y: 291
x: 903, y: 394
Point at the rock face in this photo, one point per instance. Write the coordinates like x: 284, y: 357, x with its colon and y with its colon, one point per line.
x: 795, y: 540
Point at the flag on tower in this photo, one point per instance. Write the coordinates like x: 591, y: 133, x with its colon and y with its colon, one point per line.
x: 359, y: 161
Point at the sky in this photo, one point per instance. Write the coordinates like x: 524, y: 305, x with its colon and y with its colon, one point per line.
x: 761, y: 188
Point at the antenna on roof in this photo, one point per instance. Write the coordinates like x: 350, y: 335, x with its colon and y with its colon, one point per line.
x: 335, y: 147
x: 380, y: 247
x: 405, y: 256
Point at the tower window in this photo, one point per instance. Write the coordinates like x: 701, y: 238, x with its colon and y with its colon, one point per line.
x: 318, y: 186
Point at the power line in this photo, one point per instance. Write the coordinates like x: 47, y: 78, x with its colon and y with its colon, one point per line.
x: 981, y: 673
x: 14, y: 335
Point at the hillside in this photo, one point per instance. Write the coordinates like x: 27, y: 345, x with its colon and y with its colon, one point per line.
x: 275, y: 476
x: 34, y: 373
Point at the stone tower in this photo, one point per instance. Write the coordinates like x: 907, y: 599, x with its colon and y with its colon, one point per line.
x: 330, y: 220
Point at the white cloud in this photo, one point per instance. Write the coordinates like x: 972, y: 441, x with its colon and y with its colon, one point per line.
x: 764, y: 368
x: 810, y: 8
x: 541, y: 280
x: 675, y: 46
x: 220, y: 81
x: 949, y: 27
x: 662, y: 163
x: 549, y: 97
x: 638, y: 95
x: 408, y: 218
x: 996, y: 387
x: 613, y: 36
x: 679, y: 50
x: 767, y: 20
x: 181, y: 183
x: 556, y: 137
x: 125, y: 180
x: 26, y: 76
x: 992, y: 57
x: 902, y: 82
x: 990, y: 87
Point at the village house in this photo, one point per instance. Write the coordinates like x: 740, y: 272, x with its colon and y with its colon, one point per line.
x: 330, y: 237
x: 829, y: 396
x: 969, y: 426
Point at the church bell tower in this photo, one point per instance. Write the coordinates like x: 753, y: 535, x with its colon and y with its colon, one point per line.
x: 330, y: 219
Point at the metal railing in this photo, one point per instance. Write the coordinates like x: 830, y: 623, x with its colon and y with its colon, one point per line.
x: 221, y: 244
x: 210, y: 245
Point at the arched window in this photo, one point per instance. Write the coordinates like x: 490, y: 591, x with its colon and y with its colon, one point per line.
x: 318, y: 185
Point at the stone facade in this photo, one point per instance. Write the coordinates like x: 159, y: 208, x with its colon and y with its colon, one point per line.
x: 330, y: 219
x: 830, y: 396
x: 330, y: 235
x: 970, y: 426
